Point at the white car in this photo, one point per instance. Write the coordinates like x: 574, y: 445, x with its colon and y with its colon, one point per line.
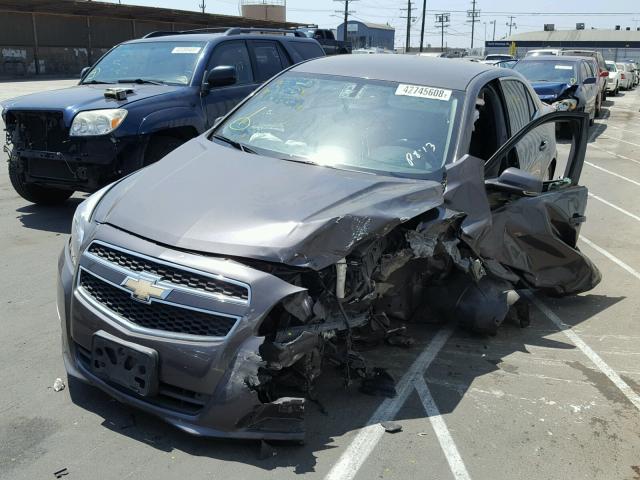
x: 543, y: 51
x: 625, y: 71
x: 613, y: 80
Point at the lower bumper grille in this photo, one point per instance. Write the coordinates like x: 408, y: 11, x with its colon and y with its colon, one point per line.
x: 169, y: 396
x: 156, y: 315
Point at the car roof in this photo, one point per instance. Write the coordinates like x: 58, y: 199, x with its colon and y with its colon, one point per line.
x: 556, y: 58
x: 208, y: 37
x: 435, y: 72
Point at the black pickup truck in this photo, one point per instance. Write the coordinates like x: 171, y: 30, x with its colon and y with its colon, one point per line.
x: 327, y: 40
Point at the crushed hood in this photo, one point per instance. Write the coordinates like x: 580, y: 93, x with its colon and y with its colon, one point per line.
x: 85, y: 97
x: 550, y: 91
x: 210, y: 198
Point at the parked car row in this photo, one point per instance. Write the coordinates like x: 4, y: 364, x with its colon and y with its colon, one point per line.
x: 572, y: 80
x: 141, y: 100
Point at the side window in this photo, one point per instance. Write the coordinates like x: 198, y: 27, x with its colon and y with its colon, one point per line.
x: 586, y: 70
x: 306, y: 50
x: 268, y: 60
x: 234, y: 54
x: 518, y: 104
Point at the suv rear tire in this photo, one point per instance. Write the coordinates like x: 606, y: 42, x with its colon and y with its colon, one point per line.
x: 35, y: 193
x: 598, y: 111
x: 159, y: 146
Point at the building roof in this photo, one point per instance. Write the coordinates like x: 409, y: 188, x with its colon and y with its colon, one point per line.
x: 115, y: 10
x: 378, y: 26
x: 577, y: 36
x: 433, y: 72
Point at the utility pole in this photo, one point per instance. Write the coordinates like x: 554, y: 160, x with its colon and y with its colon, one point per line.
x: 511, y: 24
x: 494, y: 30
x: 442, y: 22
x: 202, y: 6
x: 347, y: 12
x: 409, y: 20
x: 474, y: 16
x: 424, y: 15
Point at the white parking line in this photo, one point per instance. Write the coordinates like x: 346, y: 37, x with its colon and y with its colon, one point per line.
x: 613, y: 173
x: 611, y: 257
x: 620, y: 209
x: 368, y: 437
x: 613, y: 153
x: 606, y: 137
x: 442, y: 432
x: 626, y: 390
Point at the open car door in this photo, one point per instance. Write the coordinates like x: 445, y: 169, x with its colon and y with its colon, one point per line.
x: 535, y: 222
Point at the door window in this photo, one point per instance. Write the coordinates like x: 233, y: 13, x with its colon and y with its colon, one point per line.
x: 234, y: 54
x: 518, y: 104
x: 269, y: 60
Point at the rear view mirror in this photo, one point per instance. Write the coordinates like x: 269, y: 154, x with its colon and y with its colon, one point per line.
x: 590, y: 80
x: 84, y: 71
x: 222, y: 76
x: 517, y: 181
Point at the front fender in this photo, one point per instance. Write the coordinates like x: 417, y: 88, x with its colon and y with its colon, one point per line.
x: 172, y: 118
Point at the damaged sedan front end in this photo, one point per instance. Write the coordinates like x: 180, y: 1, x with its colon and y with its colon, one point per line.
x: 331, y: 207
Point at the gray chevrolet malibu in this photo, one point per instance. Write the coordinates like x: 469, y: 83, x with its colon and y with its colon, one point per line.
x: 328, y: 208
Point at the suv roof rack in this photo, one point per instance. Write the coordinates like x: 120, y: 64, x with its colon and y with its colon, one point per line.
x: 227, y: 31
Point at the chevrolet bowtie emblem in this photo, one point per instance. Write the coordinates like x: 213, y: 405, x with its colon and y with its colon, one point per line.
x: 144, y: 290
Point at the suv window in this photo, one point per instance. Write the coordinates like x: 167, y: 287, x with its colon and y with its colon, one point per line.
x: 518, y: 103
x: 306, y: 50
x: 268, y: 58
x: 587, y: 70
x: 234, y: 54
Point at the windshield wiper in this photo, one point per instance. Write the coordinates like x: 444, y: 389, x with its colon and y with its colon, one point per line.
x: 95, y: 82
x: 234, y: 144
x: 141, y: 81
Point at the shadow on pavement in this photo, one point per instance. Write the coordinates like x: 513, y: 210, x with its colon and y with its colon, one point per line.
x: 51, y: 219
x: 464, y: 358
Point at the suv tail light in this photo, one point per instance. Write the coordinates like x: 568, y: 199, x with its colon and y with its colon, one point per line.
x: 604, y: 73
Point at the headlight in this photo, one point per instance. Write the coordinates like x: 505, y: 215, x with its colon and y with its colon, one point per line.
x: 81, y: 220
x: 97, y: 122
x: 566, y: 105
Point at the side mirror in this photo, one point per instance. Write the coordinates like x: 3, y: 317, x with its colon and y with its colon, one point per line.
x: 517, y: 181
x: 590, y: 80
x: 222, y: 76
x: 84, y: 71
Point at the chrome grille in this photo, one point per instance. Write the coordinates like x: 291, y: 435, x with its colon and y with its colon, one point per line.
x: 174, y: 275
x: 156, y: 315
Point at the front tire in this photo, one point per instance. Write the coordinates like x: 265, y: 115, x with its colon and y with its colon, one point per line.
x: 35, y: 193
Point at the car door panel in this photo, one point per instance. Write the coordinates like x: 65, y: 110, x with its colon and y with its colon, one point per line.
x: 535, y: 235
x: 219, y: 101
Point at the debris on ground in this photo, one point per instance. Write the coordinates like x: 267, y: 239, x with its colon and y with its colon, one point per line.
x: 58, y: 385
x: 62, y: 472
x: 266, y: 450
x: 391, y: 427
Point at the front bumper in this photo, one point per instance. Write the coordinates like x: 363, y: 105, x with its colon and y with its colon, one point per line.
x: 84, y: 164
x: 204, y: 385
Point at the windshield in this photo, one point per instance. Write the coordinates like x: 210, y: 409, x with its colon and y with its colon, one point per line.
x: 548, y: 71
x: 611, y: 67
x: 163, y: 62
x: 349, y: 123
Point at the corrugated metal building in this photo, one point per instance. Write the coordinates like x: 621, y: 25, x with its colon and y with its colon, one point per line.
x: 614, y: 44
x: 368, y: 35
x: 61, y: 37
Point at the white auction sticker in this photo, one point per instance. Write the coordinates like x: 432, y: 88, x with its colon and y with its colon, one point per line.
x: 563, y: 67
x: 423, y: 92
x: 186, y: 50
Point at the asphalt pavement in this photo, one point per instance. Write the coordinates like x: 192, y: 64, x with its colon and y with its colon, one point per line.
x: 559, y: 399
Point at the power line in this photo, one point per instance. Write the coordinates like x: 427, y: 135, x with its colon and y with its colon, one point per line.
x: 474, y: 15
x: 424, y: 15
x: 409, y: 20
x: 511, y: 23
x: 346, y: 17
x: 443, y: 20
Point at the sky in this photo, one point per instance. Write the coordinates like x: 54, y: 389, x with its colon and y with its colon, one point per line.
x: 529, y: 16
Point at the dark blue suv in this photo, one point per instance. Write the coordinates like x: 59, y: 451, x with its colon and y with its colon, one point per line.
x: 141, y: 100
